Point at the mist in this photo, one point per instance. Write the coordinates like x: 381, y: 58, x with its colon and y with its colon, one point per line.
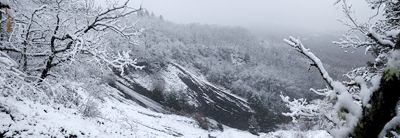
x: 310, y: 15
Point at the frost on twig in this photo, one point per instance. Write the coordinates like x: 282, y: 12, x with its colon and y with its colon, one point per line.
x: 120, y: 61
x: 377, y: 38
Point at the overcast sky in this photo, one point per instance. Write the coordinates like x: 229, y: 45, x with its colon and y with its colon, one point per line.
x: 315, y: 15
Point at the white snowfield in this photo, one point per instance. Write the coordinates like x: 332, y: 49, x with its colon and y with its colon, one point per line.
x: 297, y: 134
x: 119, y: 118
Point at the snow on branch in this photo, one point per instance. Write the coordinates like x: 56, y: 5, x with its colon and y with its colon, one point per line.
x: 58, y: 31
x: 340, y: 117
x: 7, y: 61
x: 351, y: 38
x: 298, y: 46
x: 379, y: 39
x: 107, y: 19
x: 119, y: 62
x: 390, y: 125
x: 300, y: 107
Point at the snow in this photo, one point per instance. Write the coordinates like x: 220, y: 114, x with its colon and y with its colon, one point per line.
x: 379, y: 38
x: 222, y: 92
x: 5, y: 59
x: 144, y: 80
x: 41, y: 120
x: 367, y: 49
x: 366, y: 92
x: 389, y: 125
x: 173, y: 84
x: 345, y: 113
x: 297, y: 134
x: 5, y: 2
x: 344, y: 100
x: 393, y: 66
x: 146, y: 101
x: 230, y: 133
x: 394, y: 61
x: 299, y: 107
x: 172, y: 80
x: 119, y: 118
x: 393, y: 33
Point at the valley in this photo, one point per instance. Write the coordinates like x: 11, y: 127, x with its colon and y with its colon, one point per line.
x: 125, y: 72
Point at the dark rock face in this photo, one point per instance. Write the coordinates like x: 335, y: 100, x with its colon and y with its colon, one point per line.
x: 217, y: 104
x: 210, y: 101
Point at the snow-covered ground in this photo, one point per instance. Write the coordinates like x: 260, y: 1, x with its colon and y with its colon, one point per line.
x: 143, y: 99
x: 297, y: 134
x: 118, y: 117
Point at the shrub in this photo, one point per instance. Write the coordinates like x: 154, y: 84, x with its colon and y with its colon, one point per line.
x: 220, y: 127
x: 201, y: 120
x: 90, y: 109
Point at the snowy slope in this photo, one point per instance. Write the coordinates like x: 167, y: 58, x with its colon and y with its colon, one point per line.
x: 297, y: 134
x: 141, y: 99
x: 119, y: 118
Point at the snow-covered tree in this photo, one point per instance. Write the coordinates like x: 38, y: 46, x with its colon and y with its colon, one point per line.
x: 366, y: 105
x: 46, y: 34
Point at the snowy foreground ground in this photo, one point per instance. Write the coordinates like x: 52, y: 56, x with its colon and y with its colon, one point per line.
x: 117, y: 117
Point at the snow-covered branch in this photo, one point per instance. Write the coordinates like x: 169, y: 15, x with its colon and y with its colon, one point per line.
x: 379, y: 37
x: 370, y: 94
x: 107, y: 19
x: 300, y: 107
x: 341, y: 117
x: 298, y: 46
x: 119, y: 62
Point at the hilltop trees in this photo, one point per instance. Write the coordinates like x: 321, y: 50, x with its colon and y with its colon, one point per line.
x: 366, y: 105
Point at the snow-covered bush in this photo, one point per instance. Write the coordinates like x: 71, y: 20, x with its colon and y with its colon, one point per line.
x: 15, y: 83
x: 90, y: 108
x: 353, y: 108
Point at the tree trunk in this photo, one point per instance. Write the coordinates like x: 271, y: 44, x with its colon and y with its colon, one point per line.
x: 383, y: 103
x: 25, y: 66
x: 47, y: 69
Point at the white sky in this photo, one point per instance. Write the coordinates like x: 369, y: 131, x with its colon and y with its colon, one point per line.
x: 314, y: 15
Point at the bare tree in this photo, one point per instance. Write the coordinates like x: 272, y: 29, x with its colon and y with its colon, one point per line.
x: 46, y: 34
